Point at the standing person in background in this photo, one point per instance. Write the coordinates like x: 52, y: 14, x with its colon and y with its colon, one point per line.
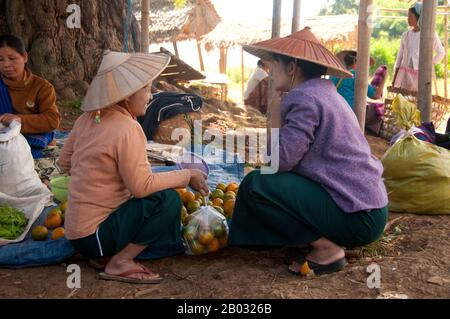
x: 256, y: 93
x: 407, y: 64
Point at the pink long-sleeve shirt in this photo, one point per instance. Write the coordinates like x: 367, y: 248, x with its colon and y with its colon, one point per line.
x: 108, y: 165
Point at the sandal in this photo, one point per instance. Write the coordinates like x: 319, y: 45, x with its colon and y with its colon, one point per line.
x: 317, y: 268
x: 124, y: 277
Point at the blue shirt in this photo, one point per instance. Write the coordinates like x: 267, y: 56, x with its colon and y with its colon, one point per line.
x: 347, y: 89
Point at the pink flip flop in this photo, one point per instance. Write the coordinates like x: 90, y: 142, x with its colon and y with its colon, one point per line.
x: 124, y: 277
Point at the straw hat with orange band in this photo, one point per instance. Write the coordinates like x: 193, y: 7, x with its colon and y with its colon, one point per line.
x: 302, y: 45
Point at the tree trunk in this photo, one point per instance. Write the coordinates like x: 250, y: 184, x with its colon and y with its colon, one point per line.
x: 68, y: 58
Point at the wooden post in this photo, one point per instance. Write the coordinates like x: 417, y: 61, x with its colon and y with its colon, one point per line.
x: 363, y: 61
x: 446, y: 52
x: 426, y: 59
x: 296, y: 16
x: 242, y: 73
x: 222, y: 65
x: 200, y: 56
x: 175, y: 48
x: 276, y: 19
x: 145, y: 23
x: 276, y: 30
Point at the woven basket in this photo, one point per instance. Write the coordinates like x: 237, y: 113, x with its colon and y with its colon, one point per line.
x: 440, y: 107
x: 165, y: 128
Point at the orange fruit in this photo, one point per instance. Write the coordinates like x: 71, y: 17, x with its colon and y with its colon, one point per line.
x: 198, y: 196
x: 305, y: 270
x: 222, y: 187
x: 232, y: 187
x: 214, y: 245
x: 187, y: 197
x: 63, y: 206
x: 58, y: 233
x: 223, y: 241
x: 228, y: 207
x: 228, y: 196
x: 39, y: 233
x: 54, y: 220
x: 217, y: 202
x: 217, y: 194
x: 55, y: 211
x: 218, y: 229
x: 219, y: 209
x: 205, y: 237
x: 193, y: 206
x: 197, y: 248
x: 189, y: 233
x: 181, y: 191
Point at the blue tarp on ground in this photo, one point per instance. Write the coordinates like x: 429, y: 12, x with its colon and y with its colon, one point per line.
x: 32, y: 253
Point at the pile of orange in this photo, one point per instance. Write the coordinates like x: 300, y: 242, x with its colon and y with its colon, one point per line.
x: 54, y: 222
x: 207, y: 238
x: 203, y: 239
x: 223, y: 199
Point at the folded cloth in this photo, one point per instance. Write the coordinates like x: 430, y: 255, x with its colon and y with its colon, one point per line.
x: 38, y: 142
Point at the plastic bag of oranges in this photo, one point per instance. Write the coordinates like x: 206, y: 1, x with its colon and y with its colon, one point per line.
x: 206, y: 232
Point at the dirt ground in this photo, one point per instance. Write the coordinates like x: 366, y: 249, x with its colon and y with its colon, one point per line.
x: 413, y: 255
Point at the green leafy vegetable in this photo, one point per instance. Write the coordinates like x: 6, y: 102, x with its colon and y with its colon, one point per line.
x: 12, y: 222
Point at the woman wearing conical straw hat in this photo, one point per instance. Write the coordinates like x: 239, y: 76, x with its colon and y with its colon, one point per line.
x: 328, y: 192
x: 117, y: 206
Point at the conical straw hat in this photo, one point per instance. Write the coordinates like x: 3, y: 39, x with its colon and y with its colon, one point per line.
x: 341, y: 56
x: 302, y: 45
x: 121, y: 75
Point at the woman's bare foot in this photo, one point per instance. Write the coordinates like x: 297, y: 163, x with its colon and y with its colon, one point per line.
x: 123, y: 262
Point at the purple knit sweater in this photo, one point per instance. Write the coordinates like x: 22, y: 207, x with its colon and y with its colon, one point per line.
x: 321, y: 140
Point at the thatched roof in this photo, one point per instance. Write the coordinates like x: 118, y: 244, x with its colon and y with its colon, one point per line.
x: 178, y: 70
x: 331, y: 30
x: 193, y: 20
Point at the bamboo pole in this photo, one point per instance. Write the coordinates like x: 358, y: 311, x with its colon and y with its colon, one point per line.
x: 200, y: 56
x: 296, y: 16
x: 276, y: 31
x: 446, y: 54
x: 222, y: 65
x: 426, y: 59
x: 363, y: 61
x: 175, y: 48
x: 145, y: 23
x: 276, y: 19
x: 242, y: 73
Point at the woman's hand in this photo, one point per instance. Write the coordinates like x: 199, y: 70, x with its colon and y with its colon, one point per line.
x: 198, y: 182
x: 6, y: 119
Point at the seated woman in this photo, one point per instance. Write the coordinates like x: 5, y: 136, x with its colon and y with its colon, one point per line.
x: 346, y: 87
x: 117, y: 206
x: 26, y: 97
x: 328, y: 192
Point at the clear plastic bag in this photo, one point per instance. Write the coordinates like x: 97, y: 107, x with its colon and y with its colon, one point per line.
x: 205, y: 232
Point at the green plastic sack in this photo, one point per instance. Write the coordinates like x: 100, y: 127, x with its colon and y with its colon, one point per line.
x: 406, y: 112
x: 416, y: 173
x: 417, y: 177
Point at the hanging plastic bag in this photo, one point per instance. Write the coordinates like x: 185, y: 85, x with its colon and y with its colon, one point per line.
x: 206, y: 231
x: 416, y: 173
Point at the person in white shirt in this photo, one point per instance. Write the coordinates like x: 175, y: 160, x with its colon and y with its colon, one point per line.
x: 260, y: 73
x: 407, y: 64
